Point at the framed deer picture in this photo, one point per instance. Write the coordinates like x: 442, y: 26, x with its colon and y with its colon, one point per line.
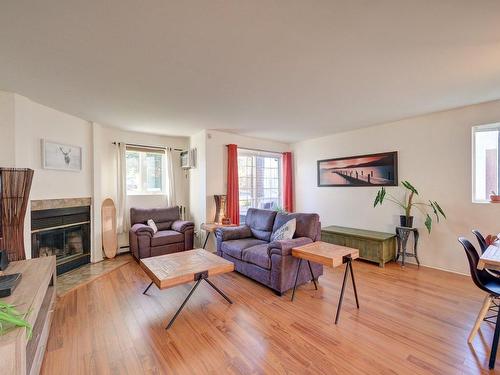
x: 61, y: 156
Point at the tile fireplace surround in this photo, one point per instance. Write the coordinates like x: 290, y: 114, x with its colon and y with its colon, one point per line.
x: 47, y: 204
x: 62, y: 227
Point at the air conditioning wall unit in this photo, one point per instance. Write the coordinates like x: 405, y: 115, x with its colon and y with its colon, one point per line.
x: 188, y: 159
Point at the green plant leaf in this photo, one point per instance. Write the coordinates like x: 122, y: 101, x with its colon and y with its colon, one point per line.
x: 13, y: 319
x: 434, y: 210
x: 439, y: 209
x: 380, y: 197
x: 10, y: 316
x: 428, y: 223
x: 409, y: 186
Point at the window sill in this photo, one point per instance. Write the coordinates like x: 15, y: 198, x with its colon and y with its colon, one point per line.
x: 485, y: 202
x: 146, y: 195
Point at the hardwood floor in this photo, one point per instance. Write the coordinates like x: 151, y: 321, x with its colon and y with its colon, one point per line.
x: 410, y: 322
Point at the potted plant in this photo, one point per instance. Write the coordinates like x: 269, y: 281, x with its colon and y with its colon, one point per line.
x: 408, y: 202
x: 11, y: 318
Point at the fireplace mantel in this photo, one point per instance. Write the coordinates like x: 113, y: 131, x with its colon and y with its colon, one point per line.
x: 47, y: 204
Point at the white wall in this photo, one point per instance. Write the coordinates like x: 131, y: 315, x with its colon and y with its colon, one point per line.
x: 105, y: 150
x: 434, y: 154
x: 7, y: 129
x: 198, y: 183
x: 24, y: 123
x: 217, y: 160
x: 35, y: 122
x: 212, y: 153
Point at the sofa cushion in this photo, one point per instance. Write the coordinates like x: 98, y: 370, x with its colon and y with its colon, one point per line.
x: 165, y: 237
x: 306, y: 224
x: 235, y: 247
x: 163, y: 217
x: 285, y: 232
x: 260, y: 223
x: 257, y: 255
x: 153, y: 226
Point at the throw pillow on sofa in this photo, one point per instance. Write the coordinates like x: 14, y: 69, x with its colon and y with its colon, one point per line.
x: 285, y: 232
x: 152, y: 224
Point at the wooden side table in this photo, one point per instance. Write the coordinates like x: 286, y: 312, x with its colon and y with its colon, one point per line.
x: 329, y: 255
x: 211, y: 227
x: 402, y: 235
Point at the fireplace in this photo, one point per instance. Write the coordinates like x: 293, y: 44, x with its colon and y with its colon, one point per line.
x: 63, y: 232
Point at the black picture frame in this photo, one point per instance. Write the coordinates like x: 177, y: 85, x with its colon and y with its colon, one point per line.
x: 385, y: 163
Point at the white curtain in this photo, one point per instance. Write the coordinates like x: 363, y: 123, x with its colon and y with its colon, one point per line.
x: 170, y: 178
x: 123, y: 220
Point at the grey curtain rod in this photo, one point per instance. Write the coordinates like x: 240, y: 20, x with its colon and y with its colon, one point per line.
x: 148, y: 146
x: 259, y: 150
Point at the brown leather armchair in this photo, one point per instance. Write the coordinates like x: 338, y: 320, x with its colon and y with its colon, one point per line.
x: 173, y: 234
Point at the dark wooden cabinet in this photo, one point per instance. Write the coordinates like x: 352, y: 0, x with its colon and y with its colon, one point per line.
x: 379, y: 247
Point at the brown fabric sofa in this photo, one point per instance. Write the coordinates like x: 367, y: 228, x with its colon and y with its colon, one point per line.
x: 173, y: 234
x: 250, y: 248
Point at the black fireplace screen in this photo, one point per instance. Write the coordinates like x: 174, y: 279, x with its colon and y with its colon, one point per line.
x: 65, y: 243
x: 63, y: 232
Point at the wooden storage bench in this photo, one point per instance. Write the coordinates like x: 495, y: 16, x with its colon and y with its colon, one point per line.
x: 373, y: 246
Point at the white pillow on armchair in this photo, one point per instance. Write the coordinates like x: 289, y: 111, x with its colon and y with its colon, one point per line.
x: 152, y: 224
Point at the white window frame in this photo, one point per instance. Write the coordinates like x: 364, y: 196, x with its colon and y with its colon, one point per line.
x: 142, y: 191
x: 242, y: 151
x: 476, y: 129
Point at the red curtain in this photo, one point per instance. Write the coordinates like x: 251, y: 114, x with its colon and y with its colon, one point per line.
x: 287, y: 182
x: 233, y: 191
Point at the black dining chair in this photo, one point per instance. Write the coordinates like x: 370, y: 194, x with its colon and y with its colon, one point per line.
x: 483, y: 245
x: 491, y: 285
x: 480, y: 238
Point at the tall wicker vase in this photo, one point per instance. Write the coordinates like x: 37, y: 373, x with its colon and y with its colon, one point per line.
x: 220, y: 208
x: 15, y: 186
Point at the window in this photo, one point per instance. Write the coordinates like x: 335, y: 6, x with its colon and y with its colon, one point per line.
x: 486, y: 140
x: 145, y: 171
x: 259, y: 176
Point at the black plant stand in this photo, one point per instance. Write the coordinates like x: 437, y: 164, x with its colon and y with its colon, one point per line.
x: 402, y: 236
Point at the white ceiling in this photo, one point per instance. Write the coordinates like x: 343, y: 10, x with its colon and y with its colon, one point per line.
x: 284, y: 69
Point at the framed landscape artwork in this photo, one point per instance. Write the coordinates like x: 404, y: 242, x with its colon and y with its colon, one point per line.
x: 61, y: 156
x: 363, y: 170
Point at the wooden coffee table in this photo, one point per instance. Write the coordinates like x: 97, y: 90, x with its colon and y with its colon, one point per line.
x: 169, y: 270
x: 329, y: 255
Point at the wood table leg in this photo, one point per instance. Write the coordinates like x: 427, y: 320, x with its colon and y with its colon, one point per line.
x: 480, y: 317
